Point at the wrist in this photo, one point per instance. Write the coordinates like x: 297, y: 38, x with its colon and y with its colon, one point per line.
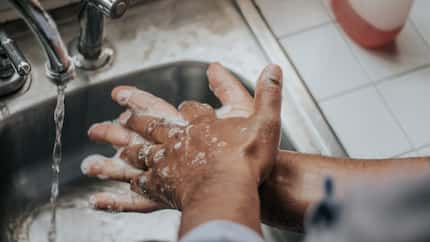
x: 280, y: 206
x: 216, y: 185
x: 282, y: 169
x: 222, y: 197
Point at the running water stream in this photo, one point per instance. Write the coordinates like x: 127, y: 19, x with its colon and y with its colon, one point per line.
x: 56, y: 161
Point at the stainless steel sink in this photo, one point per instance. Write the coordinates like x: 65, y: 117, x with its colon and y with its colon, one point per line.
x: 151, y: 42
x: 26, y: 143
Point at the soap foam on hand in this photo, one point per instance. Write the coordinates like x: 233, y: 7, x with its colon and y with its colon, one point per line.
x: 153, y: 113
x: 124, y: 97
x: 92, y: 164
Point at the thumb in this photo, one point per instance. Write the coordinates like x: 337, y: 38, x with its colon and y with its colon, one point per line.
x: 268, y: 95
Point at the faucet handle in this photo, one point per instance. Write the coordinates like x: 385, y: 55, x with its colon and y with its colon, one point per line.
x: 111, y: 8
x: 18, y: 60
x: 14, y: 67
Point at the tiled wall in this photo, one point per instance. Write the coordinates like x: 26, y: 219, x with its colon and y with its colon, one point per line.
x: 377, y: 101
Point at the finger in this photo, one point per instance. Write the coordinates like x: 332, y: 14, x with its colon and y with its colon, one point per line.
x: 128, y: 202
x: 113, y: 133
x: 142, y: 184
x: 150, y: 186
x: 143, y: 156
x: 233, y: 112
x: 228, y: 89
x: 192, y: 111
x: 268, y: 95
x: 139, y: 100
x: 154, y: 129
x: 108, y: 168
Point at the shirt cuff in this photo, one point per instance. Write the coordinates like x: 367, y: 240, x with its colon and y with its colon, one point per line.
x: 221, y: 231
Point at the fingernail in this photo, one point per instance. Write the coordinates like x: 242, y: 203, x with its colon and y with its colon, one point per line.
x: 101, y: 176
x: 123, y: 96
x: 91, y: 128
x: 274, y: 74
x: 90, y: 162
x: 123, y: 155
x: 123, y: 119
x: 137, y: 139
x: 92, y: 201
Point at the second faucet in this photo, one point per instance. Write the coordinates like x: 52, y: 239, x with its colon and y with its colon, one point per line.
x: 87, y: 50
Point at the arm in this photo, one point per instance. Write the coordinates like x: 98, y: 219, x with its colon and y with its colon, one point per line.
x: 296, y: 181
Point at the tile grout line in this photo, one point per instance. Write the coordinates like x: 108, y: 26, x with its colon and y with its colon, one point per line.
x: 416, y: 150
x: 307, y: 29
x: 401, y: 74
x: 348, y: 43
x: 331, y: 19
x: 395, y: 118
x: 422, y: 147
x: 351, y: 90
x: 401, y: 154
x: 327, y: 11
x: 345, y: 92
x: 418, y: 31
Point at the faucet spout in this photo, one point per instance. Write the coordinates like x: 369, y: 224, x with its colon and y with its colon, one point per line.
x: 59, y: 67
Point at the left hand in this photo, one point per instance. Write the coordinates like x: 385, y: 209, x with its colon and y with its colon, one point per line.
x: 232, y: 95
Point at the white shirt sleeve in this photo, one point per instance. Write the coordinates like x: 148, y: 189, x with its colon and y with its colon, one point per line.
x: 221, y: 231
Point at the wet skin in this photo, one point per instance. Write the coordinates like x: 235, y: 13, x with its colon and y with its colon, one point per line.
x: 194, y: 161
x: 288, y: 183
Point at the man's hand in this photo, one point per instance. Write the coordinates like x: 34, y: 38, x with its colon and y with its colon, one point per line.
x: 236, y: 100
x: 236, y: 145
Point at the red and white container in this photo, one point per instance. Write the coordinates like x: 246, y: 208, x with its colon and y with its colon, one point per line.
x: 372, y: 23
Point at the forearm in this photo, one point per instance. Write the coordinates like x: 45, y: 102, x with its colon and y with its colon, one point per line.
x: 233, y: 199
x: 296, y: 181
x: 308, y: 171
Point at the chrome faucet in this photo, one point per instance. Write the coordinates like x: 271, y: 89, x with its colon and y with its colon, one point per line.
x: 88, y: 50
x: 59, y: 67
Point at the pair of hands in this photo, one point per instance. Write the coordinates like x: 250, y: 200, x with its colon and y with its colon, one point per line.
x: 173, y: 156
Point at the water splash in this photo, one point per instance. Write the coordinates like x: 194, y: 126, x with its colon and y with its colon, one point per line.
x: 56, y: 161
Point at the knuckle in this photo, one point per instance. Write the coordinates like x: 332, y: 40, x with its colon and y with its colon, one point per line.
x: 186, y: 105
x: 272, y: 90
x: 131, y: 121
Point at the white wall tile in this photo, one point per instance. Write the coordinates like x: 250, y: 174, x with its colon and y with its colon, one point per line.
x: 409, y: 99
x: 420, y: 15
x: 325, y: 61
x: 364, y: 125
x: 291, y: 16
x: 424, y: 151
x: 409, y: 52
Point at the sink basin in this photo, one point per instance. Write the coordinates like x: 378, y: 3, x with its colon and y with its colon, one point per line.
x: 26, y: 145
